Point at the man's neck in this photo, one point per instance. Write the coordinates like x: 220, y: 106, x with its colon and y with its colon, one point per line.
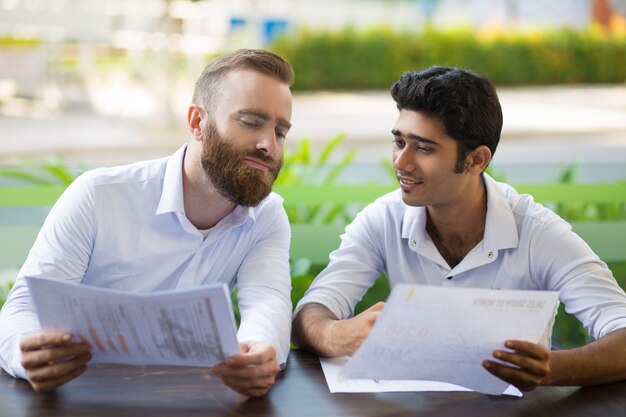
x: 456, y: 230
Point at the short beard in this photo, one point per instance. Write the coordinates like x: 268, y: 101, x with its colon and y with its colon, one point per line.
x: 231, y: 176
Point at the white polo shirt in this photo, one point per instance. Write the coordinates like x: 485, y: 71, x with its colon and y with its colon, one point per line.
x: 125, y: 228
x: 525, y: 246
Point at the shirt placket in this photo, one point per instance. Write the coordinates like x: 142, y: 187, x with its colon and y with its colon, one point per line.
x: 191, y: 276
x: 435, y: 267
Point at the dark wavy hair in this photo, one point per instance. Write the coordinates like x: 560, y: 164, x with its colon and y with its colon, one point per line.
x: 465, y: 102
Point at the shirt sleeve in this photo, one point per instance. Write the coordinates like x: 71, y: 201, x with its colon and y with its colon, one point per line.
x: 264, y: 285
x: 564, y: 262
x: 353, y: 268
x: 61, y: 251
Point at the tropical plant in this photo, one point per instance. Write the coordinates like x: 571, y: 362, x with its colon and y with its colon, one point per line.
x: 301, y: 167
x: 576, y: 211
x: 5, y: 287
x: 55, y: 171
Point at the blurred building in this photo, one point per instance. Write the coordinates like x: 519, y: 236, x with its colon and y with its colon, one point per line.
x: 209, y: 26
x: 63, y: 39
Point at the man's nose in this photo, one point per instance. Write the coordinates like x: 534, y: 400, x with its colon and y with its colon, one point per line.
x: 268, y: 142
x: 402, y: 160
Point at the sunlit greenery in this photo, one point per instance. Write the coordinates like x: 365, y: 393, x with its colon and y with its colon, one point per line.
x: 305, y: 167
x: 4, y: 291
x: 374, y: 58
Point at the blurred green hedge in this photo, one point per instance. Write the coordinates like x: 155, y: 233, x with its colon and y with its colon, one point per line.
x: 374, y: 59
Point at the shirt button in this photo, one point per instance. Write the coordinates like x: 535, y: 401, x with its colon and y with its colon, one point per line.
x: 413, y: 242
x: 490, y: 254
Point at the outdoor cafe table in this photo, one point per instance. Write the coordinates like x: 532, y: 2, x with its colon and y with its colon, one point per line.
x: 301, y: 390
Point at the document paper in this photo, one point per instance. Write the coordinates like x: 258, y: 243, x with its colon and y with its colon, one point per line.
x: 332, y: 368
x: 178, y: 327
x: 444, y: 334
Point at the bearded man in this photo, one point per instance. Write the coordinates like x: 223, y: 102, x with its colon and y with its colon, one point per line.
x: 204, y: 215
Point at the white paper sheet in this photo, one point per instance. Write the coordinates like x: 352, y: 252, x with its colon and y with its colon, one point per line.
x: 193, y: 327
x: 332, y: 368
x: 444, y: 334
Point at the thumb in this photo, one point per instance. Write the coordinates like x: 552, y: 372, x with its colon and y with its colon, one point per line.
x: 378, y: 306
x: 245, y: 347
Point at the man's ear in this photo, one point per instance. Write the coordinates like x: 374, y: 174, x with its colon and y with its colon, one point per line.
x: 478, y: 159
x: 195, y: 115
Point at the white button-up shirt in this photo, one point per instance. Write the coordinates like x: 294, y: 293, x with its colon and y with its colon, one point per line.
x: 125, y: 228
x: 525, y: 246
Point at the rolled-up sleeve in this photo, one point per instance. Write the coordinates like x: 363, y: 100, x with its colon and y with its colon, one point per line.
x: 564, y: 262
x: 353, y: 267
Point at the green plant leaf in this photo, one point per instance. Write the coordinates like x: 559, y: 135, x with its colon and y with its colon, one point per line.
x: 330, y: 147
x: 337, y: 169
x: 24, y: 176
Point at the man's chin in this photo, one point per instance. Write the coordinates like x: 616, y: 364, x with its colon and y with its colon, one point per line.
x: 412, y: 202
x: 246, y: 201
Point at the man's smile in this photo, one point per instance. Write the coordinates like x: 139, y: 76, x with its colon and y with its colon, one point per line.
x: 407, y: 183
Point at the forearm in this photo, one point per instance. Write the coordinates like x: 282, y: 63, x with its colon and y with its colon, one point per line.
x: 599, y: 362
x: 17, y: 320
x: 313, y: 331
x: 271, y: 327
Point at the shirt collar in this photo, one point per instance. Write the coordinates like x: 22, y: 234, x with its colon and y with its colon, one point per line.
x: 500, y: 226
x: 172, y: 200
x: 172, y: 193
x: 414, y: 223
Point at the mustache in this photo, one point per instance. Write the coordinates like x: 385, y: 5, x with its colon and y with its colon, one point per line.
x: 262, y: 157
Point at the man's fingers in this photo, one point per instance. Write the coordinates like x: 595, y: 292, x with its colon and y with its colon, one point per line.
x: 51, y: 359
x: 49, y: 384
x: 369, y: 316
x: 251, y: 372
x: 40, y: 340
x: 528, y: 364
x: 57, y: 370
x: 252, y: 388
x: 45, y: 357
x: 530, y: 349
x: 253, y: 357
x: 515, y: 376
x: 378, y: 306
x: 248, y: 372
x: 244, y: 383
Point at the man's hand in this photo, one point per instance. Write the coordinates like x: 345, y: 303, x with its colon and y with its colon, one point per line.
x: 252, y: 372
x: 344, y: 337
x: 51, y: 359
x: 319, y: 331
x: 531, y: 364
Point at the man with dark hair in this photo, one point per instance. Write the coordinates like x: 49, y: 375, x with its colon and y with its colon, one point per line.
x: 204, y: 215
x: 452, y: 225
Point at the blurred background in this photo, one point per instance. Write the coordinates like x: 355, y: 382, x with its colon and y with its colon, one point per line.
x: 107, y: 82
x: 86, y: 83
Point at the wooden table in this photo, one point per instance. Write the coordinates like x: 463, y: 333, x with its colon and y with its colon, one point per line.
x: 301, y: 390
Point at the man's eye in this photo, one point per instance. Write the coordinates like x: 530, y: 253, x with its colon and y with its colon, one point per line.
x: 423, y: 149
x: 253, y: 124
x: 399, y: 143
